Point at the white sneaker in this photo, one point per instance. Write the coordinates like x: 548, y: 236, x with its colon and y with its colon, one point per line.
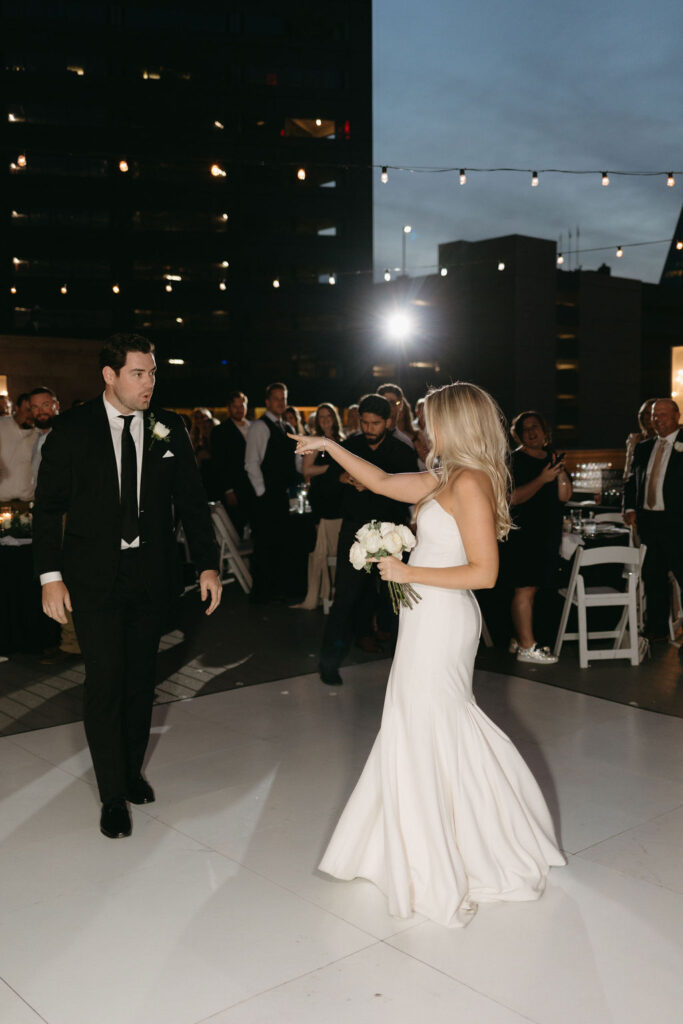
x: 536, y: 655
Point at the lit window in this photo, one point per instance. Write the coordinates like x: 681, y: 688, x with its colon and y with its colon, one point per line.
x: 309, y: 127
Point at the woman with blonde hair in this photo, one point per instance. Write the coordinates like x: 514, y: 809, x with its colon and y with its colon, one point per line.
x: 446, y: 814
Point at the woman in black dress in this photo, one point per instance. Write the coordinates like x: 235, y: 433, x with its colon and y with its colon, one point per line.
x: 541, y: 486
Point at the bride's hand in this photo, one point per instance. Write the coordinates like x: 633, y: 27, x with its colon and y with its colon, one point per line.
x: 308, y: 443
x: 393, y: 569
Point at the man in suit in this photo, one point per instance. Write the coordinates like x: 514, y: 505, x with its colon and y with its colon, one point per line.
x: 653, y: 501
x: 116, y: 470
x: 228, y: 447
x: 355, y: 594
x: 271, y: 466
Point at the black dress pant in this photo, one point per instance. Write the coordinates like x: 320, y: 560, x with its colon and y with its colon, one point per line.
x: 119, y: 642
x: 355, y: 601
x: 663, y: 535
x: 270, y: 531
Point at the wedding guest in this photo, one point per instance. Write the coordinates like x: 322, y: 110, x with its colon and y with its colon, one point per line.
x: 23, y: 416
x: 228, y: 448
x: 293, y: 417
x: 530, y: 556
x: 17, y: 438
x: 5, y: 405
x: 325, y: 495
x: 355, y: 595
x: 45, y: 409
x: 653, y: 501
x: 421, y: 438
x: 401, y: 425
x: 352, y: 421
x: 120, y: 485
x: 270, y: 464
x: 203, y: 424
x: 646, y: 431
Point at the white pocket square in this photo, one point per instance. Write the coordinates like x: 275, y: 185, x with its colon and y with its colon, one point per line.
x: 168, y: 455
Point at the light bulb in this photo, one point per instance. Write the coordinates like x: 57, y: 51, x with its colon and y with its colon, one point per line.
x: 332, y: 279
x: 463, y: 176
x: 387, y: 275
x: 217, y: 171
x: 64, y: 289
x: 169, y: 287
x: 224, y: 216
x: 224, y: 263
x: 384, y: 176
x: 276, y: 282
x: 217, y: 124
x: 671, y: 181
x: 318, y: 122
x: 605, y: 178
x: 222, y: 286
x: 444, y: 271
x: 560, y: 259
x: 501, y: 265
x: 679, y: 245
x: 115, y: 288
x: 21, y: 160
x: 620, y: 252
x: 534, y: 179
x: 178, y: 319
x: 123, y: 166
x: 13, y: 290
x: 301, y: 174
x: 407, y: 229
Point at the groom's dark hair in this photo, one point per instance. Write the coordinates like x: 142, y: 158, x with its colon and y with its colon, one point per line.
x: 116, y: 350
x: 376, y: 405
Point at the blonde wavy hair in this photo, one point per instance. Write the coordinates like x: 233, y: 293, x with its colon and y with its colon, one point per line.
x: 471, y: 434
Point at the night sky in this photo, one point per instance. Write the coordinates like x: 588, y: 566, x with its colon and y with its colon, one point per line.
x: 490, y: 83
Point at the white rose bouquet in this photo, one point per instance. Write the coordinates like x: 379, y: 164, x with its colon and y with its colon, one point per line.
x: 379, y: 540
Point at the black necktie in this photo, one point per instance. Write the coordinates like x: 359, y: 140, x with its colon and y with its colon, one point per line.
x: 130, y: 528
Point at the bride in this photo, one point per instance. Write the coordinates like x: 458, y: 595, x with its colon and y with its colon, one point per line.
x: 446, y: 814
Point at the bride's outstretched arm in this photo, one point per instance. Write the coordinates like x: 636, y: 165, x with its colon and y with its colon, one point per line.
x: 407, y: 487
x: 470, y: 502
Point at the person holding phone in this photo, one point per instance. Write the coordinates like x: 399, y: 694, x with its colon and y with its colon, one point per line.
x: 541, y: 486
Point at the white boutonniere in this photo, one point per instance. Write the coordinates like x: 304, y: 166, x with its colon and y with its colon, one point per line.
x: 678, y: 446
x: 157, y: 431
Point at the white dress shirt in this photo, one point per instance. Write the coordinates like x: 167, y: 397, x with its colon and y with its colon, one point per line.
x: 663, y: 465
x: 137, y: 430
x: 17, y: 482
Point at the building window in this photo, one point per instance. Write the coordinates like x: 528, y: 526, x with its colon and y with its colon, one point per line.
x: 677, y: 373
x: 309, y: 128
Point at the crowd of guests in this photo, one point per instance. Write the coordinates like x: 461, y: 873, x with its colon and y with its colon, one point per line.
x: 251, y: 467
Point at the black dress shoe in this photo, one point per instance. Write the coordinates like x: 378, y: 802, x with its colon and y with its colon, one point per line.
x: 115, y: 820
x: 140, y: 792
x: 330, y: 676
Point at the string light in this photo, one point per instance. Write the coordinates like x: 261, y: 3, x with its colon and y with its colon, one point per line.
x: 11, y: 118
x: 169, y: 287
x: 384, y: 176
x: 123, y: 166
x: 301, y: 174
x: 560, y: 259
x: 679, y: 245
x: 64, y: 289
x: 222, y: 286
x: 225, y: 264
x: 501, y: 265
x: 178, y: 319
x: 217, y: 171
x: 534, y: 179
x: 13, y: 290
x: 463, y: 176
x: 387, y: 275
x: 444, y: 271
x: 224, y: 216
x: 276, y: 282
x: 332, y: 279
x: 670, y: 180
x: 605, y: 179
x: 115, y: 288
x: 217, y: 124
x: 21, y: 160
x: 620, y: 252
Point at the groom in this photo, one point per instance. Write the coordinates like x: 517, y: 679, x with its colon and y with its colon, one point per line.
x: 112, y: 475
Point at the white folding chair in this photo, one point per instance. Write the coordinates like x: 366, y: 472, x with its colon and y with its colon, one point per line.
x: 182, y: 539
x: 245, y: 547
x: 675, y: 611
x: 231, y: 560
x: 609, y: 517
x: 332, y: 570
x: 578, y: 595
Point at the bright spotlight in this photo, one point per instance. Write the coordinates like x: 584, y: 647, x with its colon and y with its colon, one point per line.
x: 399, y: 326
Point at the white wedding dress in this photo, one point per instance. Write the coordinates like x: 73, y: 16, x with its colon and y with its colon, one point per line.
x: 446, y: 814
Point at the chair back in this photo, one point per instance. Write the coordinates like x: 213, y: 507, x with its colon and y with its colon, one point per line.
x: 608, y: 555
x: 609, y: 517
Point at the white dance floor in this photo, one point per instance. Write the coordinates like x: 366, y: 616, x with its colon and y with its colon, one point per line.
x: 213, y: 910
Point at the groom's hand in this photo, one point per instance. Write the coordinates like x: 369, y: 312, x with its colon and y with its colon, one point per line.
x: 210, y: 586
x: 56, y: 601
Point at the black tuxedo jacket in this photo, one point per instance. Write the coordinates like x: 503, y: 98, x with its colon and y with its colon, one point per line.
x: 228, y: 447
x: 78, y: 479
x: 634, y: 490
